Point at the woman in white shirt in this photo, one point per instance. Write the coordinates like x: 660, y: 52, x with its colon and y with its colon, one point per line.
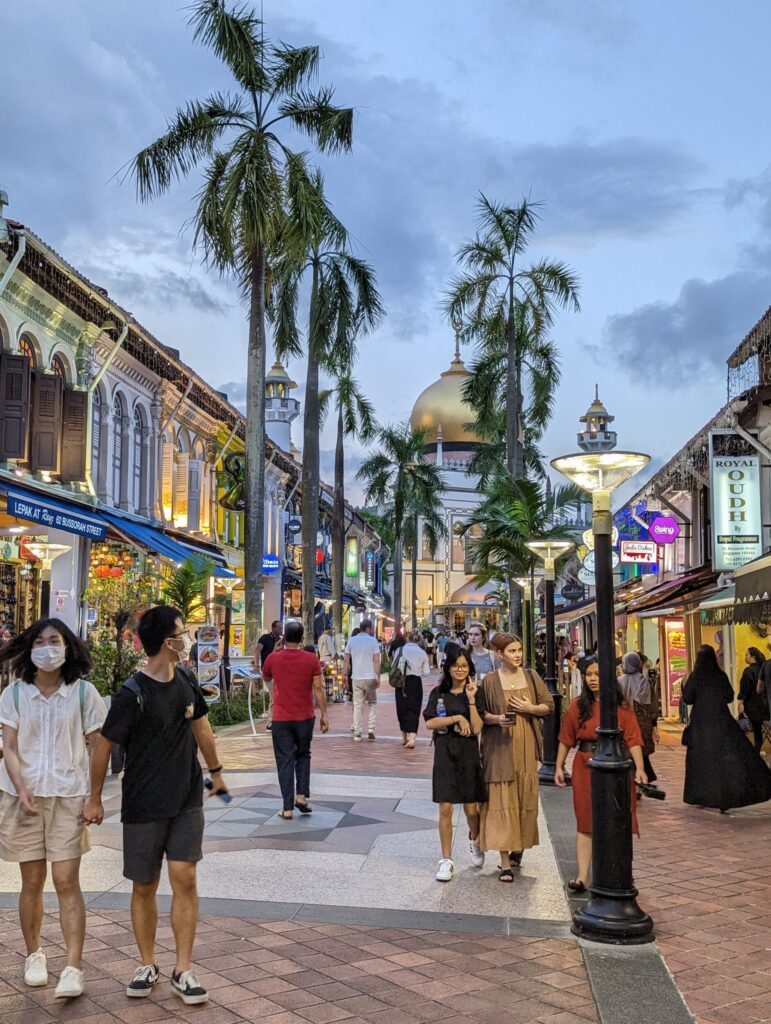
x: 48, y: 713
x: 480, y: 653
x: 409, y: 698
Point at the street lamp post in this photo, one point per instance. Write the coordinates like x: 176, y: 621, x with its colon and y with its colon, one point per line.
x: 612, y: 914
x: 549, y: 551
x: 523, y: 582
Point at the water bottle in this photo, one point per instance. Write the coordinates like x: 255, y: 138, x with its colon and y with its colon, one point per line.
x: 441, y: 712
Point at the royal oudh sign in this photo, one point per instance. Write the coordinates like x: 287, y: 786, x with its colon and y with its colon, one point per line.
x: 737, y: 530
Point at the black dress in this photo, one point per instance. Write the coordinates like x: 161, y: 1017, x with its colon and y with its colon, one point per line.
x: 458, y: 777
x: 721, y: 768
x: 409, y: 700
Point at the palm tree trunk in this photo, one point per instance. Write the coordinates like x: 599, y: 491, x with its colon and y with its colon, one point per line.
x: 310, y: 468
x: 254, y: 514
x: 338, y: 527
x: 415, y: 574
x: 398, y: 523
x: 513, y: 448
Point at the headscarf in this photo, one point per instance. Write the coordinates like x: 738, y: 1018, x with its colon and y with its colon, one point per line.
x: 632, y: 682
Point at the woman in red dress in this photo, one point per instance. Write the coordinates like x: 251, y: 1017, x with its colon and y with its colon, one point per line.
x: 579, y: 729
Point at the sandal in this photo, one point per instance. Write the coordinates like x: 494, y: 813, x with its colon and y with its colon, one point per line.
x: 286, y: 815
x: 506, y: 875
x: 303, y: 808
x: 576, y: 885
x: 515, y: 858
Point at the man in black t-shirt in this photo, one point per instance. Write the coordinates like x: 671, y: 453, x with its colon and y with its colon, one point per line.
x: 266, y: 645
x: 160, y: 718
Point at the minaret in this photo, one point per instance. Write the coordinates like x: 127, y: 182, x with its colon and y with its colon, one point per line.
x: 596, y: 437
x: 280, y: 408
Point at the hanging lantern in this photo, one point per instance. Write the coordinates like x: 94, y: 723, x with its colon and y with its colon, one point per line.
x: 116, y: 571
x: 102, y: 572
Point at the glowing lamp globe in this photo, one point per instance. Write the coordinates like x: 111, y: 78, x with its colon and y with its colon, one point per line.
x: 549, y: 550
x: 600, y: 473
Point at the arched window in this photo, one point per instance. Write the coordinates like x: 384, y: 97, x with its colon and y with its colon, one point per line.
x: 26, y: 348
x: 139, y: 460
x: 57, y: 365
x: 117, y: 449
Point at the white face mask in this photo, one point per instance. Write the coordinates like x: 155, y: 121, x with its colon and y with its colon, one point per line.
x: 49, y: 658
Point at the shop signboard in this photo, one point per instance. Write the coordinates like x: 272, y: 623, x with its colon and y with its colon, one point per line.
x: 369, y: 570
x: 589, y: 561
x: 352, y: 557
x: 638, y: 552
x: 52, y: 517
x: 209, y: 663
x: 586, y: 577
x: 572, y: 591
x: 664, y: 530
x: 676, y: 659
x: 736, y: 519
x: 588, y: 537
x: 270, y: 564
x: 294, y: 527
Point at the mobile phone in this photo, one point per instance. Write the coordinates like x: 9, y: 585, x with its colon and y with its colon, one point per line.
x: 511, y: 716
x: 223, y: 794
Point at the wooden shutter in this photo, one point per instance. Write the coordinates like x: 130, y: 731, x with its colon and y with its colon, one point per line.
x: 205, y: 516
x: 167, y: 479
x: 14, y: 395
x: 182, y: 460
x: 194, y: 495
x: 75, y: 406
x: 46, y: 421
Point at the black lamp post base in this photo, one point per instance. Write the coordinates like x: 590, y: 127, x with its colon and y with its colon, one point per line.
x: 613, y: 919
x: 546, y: 774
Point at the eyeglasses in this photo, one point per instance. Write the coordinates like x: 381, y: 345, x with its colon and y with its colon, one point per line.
x: 177, y: 636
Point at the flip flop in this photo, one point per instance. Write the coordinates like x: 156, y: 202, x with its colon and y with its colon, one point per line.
x: 303, y: 808
x: 507, y: 876
x: 285, y: 815
x: 576, y: 885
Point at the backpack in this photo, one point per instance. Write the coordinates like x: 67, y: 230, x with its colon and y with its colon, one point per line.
x: 133, y: 686
x: 81, y: 697
x: 396, y: 675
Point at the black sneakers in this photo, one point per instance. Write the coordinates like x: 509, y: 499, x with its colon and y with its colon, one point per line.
x: 143, y: 981
x: 188, y: 988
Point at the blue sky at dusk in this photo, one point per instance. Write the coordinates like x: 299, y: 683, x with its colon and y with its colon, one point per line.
x: 643, y: 128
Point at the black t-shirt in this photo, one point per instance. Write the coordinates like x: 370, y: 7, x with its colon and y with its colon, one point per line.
x: 455, y: 703
x: 163, y: 774
x: 267, y: 641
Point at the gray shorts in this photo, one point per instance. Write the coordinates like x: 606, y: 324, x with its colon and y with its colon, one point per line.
x: 146, y: 842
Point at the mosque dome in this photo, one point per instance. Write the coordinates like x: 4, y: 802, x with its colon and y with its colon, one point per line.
x: 441, y: 405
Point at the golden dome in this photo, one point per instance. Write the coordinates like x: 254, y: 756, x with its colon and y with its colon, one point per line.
x: 441, y: 405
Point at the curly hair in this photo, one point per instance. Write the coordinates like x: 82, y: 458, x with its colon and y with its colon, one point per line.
x: 18, y: 652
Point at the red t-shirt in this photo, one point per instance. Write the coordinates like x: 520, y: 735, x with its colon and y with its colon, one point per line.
x: 292, y: 671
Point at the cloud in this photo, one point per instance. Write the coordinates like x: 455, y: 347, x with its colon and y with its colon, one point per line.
x: 236, y: 392
x: 161, y: 289
x: 693, y: 335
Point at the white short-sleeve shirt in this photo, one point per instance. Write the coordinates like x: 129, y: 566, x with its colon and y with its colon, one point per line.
x: 52, y: 751
x: 363, y: 649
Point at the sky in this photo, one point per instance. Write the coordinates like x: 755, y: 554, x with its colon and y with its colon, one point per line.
x: 641, y: 128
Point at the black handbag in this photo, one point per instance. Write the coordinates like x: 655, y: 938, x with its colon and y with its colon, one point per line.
x: 685, y: 739
x: 744, y: 723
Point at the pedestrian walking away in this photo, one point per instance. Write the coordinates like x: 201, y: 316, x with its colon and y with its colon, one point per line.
x: 160, y: 717
x: 297, y: 676
x: 638, y: 694
x: 50, y: 717
x: 722, y: 769
x: 362, y: 660
x: 453, y: 717
x: 480, y: 653
x: 579, y: 729
x: 264, y: 647
x: 409, y: 698
x: 512, y: 701
x: 753, y: 701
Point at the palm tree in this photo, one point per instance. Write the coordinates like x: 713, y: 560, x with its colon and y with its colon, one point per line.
x: 253, y: 184
x: 355, y: 419
x: 343, y: 301
x: 496, y: 299
x: 397, y: 476
x: 185, y: 589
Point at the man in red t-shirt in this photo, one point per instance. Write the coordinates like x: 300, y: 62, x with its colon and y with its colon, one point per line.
x: 297, y: 676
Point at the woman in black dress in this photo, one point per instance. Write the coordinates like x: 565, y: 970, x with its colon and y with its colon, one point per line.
x: 451, y: 714
x: 721, y: 768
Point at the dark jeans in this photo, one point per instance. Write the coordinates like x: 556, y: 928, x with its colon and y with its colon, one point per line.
x: 757, y: 729
x: 292, y: 749
x: 409, y: 700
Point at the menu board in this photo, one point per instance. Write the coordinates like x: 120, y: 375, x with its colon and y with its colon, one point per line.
x: 209, y: 663
x: 676, y: 659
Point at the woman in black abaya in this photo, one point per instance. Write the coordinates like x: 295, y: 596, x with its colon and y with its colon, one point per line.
x: 721, y: 768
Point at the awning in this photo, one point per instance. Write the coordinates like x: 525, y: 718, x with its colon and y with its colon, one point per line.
x: 200, y: 549
x: 155, y: 540
x: 753, y: 591
x: 717, y: 610
x: 577, y: 612
x: 55, y: 513
x: 475, y: 595
x: 666, y: 593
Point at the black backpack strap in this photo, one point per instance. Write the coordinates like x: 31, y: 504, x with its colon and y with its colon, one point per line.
x: 189, y: 676
x: 133, y: 686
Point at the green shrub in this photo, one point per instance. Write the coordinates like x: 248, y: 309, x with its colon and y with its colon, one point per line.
x: 112, y: 665
x: 236, y: 710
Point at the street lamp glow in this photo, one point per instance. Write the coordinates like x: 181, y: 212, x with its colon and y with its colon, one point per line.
x: 549, y: 551
x: 600, y: 473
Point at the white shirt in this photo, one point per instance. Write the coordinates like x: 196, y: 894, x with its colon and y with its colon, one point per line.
x: 483, y: 662
x: 52, y: 752
x: 416, y: 659
x: 363, y: 649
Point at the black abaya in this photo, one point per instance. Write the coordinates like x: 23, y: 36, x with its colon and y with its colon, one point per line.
x: 409, y: 700
x: 721, y: 768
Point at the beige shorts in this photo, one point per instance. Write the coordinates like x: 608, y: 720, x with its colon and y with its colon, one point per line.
x: 53, y: 834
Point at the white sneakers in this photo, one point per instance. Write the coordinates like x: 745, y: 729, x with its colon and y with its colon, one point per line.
x: 477, y: 857
x: 36, y: 976
x: 70, y: 983
x: 446, y: 868
x: 36, y: 969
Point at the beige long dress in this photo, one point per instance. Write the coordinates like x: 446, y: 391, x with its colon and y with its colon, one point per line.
x: 509, y: 819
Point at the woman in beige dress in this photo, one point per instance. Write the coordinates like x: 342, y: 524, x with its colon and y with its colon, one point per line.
x: 511, y: 701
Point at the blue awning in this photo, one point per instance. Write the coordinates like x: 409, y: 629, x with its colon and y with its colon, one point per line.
x: 56, y: 514
x: 155, y: 540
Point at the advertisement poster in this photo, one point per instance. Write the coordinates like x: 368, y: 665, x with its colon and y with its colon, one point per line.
x: 676, y: 659
x: 209, y: 663
x: 236, y: 641
x: 737, y: 534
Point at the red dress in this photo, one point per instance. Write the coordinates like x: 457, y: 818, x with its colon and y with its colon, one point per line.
x: 571, y: 733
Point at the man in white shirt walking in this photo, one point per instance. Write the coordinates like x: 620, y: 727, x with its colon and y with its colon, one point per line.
x: 362, y: 658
